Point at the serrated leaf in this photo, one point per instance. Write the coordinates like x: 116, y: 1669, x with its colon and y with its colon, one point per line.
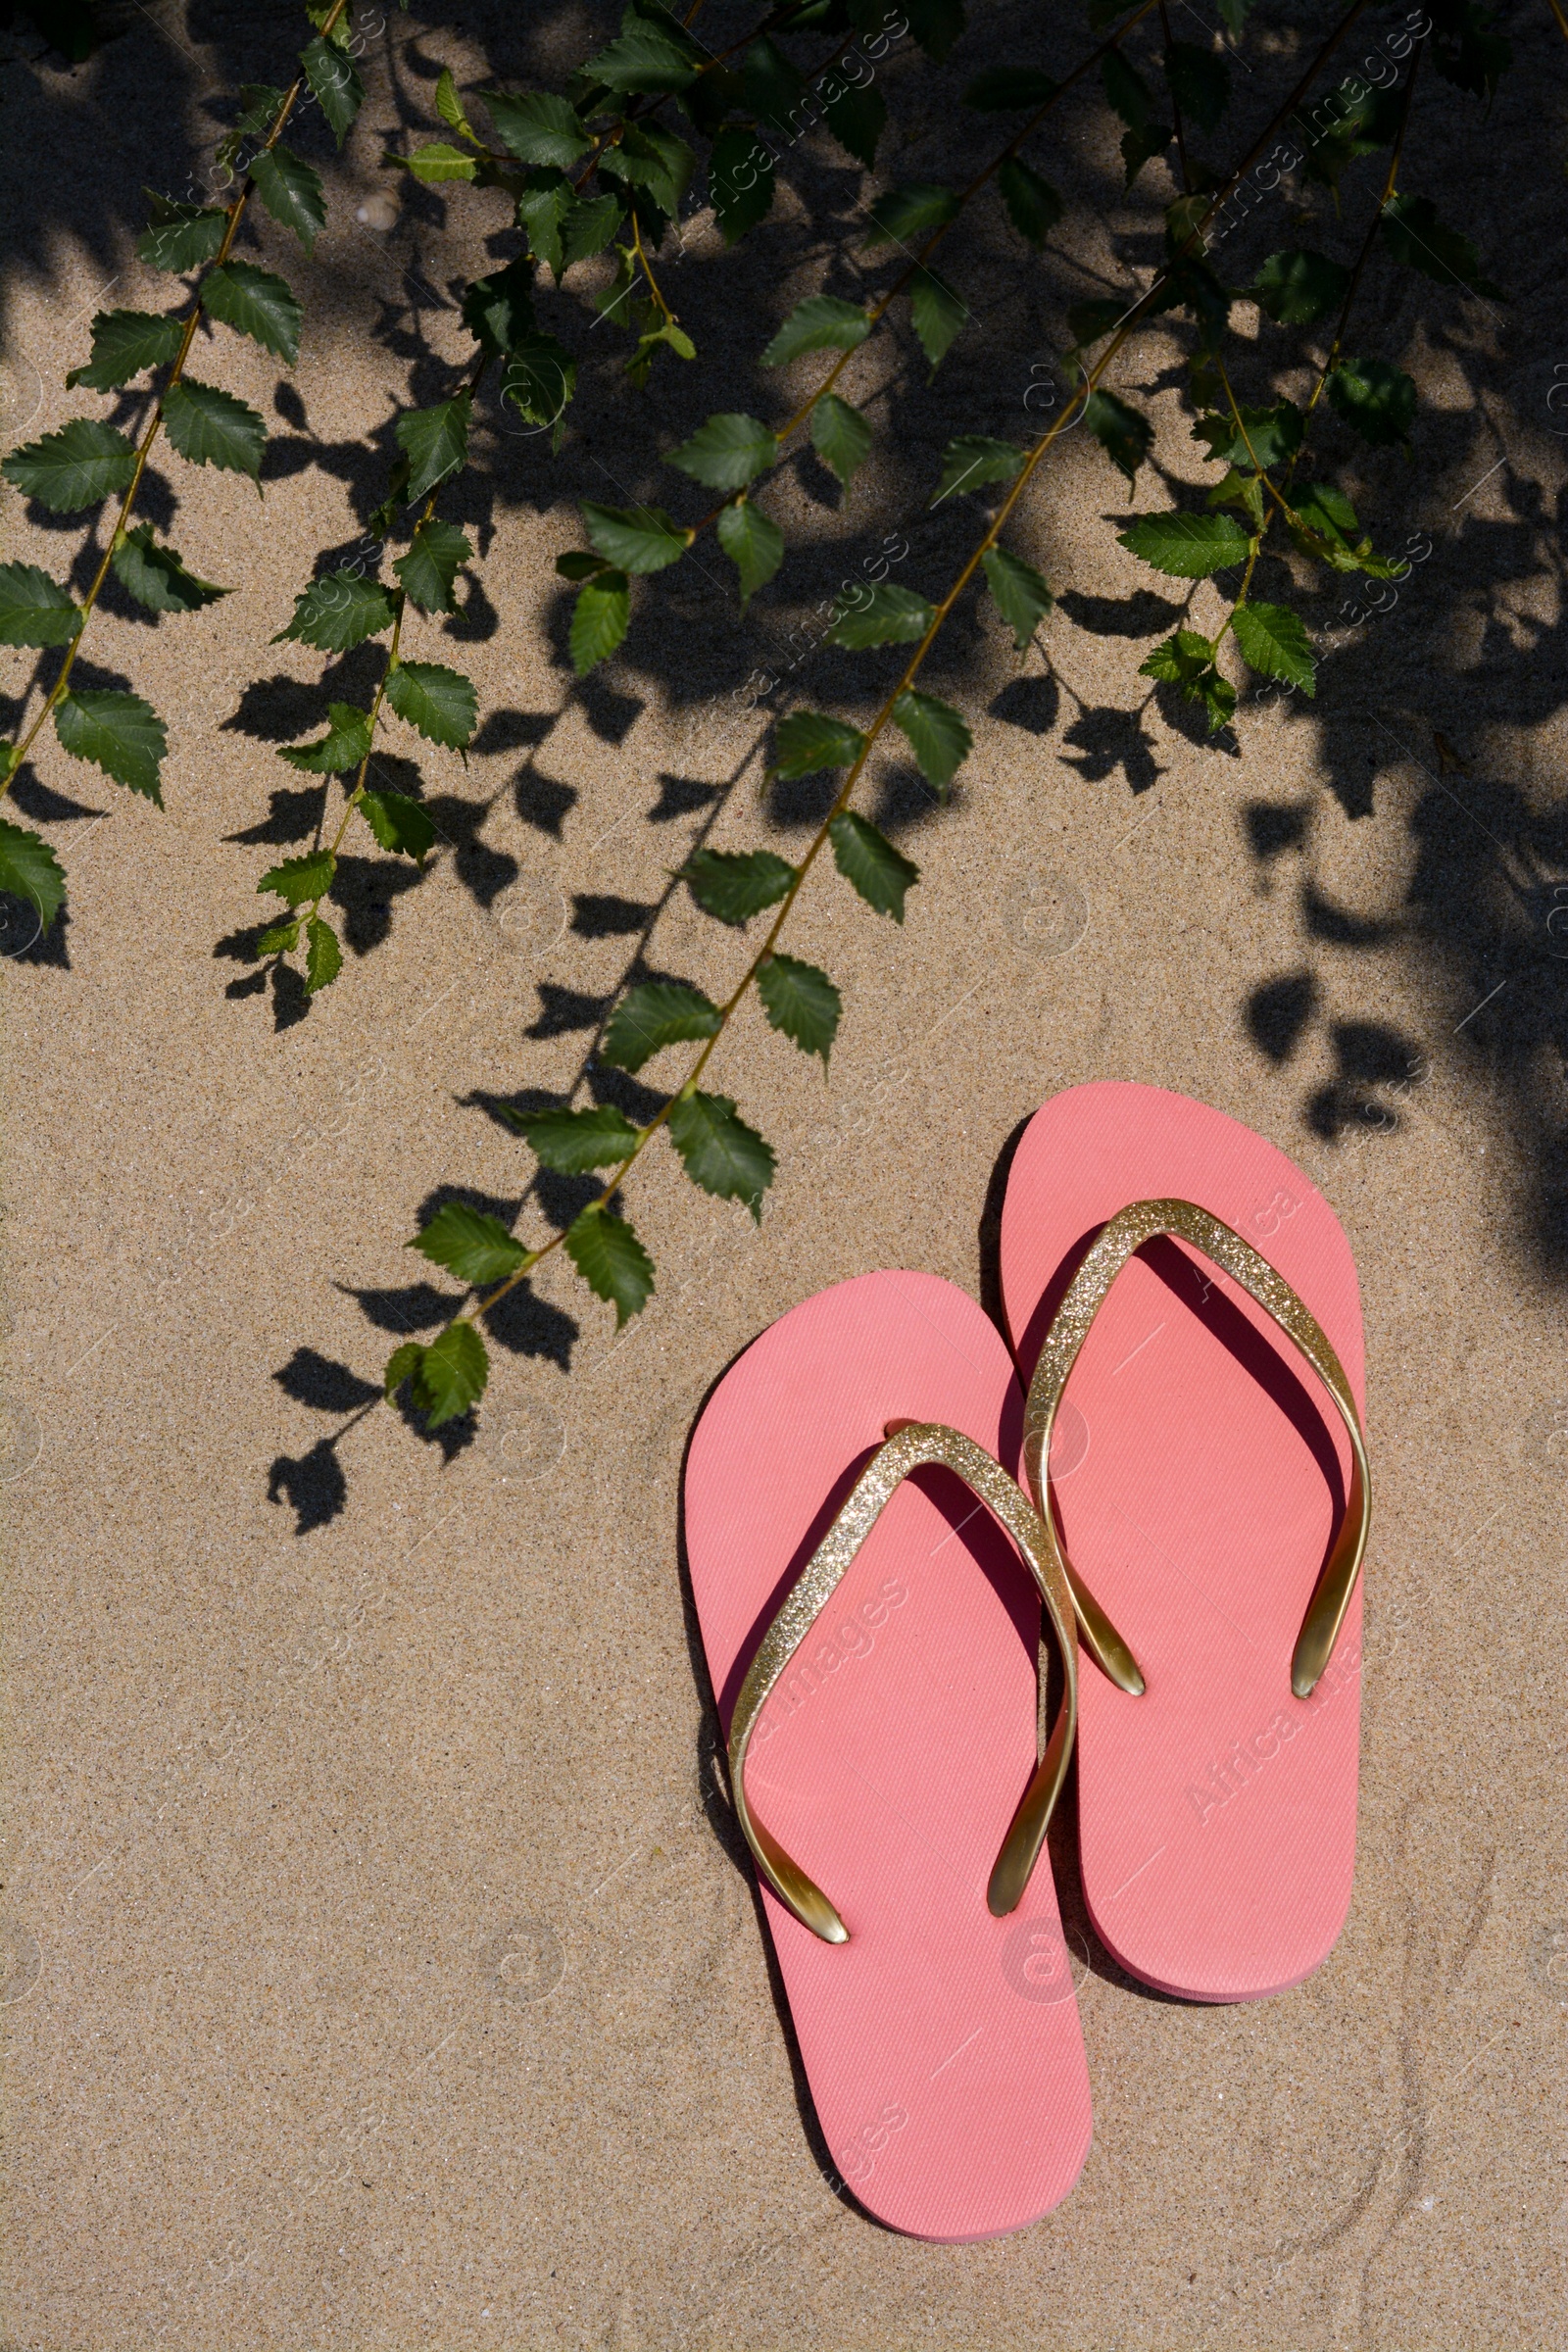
x: 449, y: 106
x: 29, y: 869
x: 539, y: 379
x: 1125, y: 436
x: 291, y: 192
x: 821, y: 323
x: 657, y: 160
x: 774, y: 87
x: 1033, y: 205
x: 973, y: 460
x: 900, y: 215
x: 448, y: 1376
x: 1139, y: 147
x: 1468, y: 50
x: 1253, y: 437
x: 155, y: 577
x: 431, y: 567
x: 1188, y: 547
x: 441, y: 703
x: 937, y: 735
x: 599, y: 620
x: 301, y: 881
x: 734, y: 885
x: 800, y: 1002
x: 34, y: 610
x: 339, y: 91
x: 856, y: 115
x: 543, y: 204
x: 257, y: 302
x: 740, y: 178
x: 538, y: 127
x: 1010, y: 90
x: 346, y: 743
x: 435, y: 442
x: 1274, y: 641
x: 1297, y: 288
x: 180, y: 236
x: 1378, y: 399
x: 117, y: 732
x: 1020, y: 594
x: 938, y: 314
x: 1127, y: 91
x: 611, y: 1260
x: 281, y: 939
x: 575, y: 1142
x: 935, y: 23
x: 324, y: 957
x: 470, y: 1243
x: 658, y: 1014
x: 399, y: 823
x: 634, y: 538
x: 339, y: 612
x: 1200, y: 83
x: 1415, y: 236
x: 840, y: 436
x: 1187, y: 661
x: 809, y: 740
x: 437, y: 159
x: 645, y: 62
x: 1325, y: 509
x: 752, y: 542
x: 719, y: 1151
x: 579, y: 565
x: 259, y: 102
x: 869, y: 860
x: 76, y: 467
x: 211, y: 428
x: 887, y: 616
x: 727, y: 452
x: 124, y: 343
x: 1240, y: 488
x: 498, y: 310
x: 588, y: 228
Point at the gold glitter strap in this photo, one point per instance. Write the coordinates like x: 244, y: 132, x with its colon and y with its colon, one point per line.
x: 910, y: 1446
x: 1086, y: 1295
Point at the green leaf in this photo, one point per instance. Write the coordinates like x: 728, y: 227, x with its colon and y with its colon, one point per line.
x: 1189, y: 547
x: 543, y: 204
x: 209, y: 428
x: 888, y: 616
x: 900, y: 215
x: 1469, y: 52
x: 1020, y: 594
x: 599, y: 620
x: 1263, y: 437
x: 538, y: 127
x: 1415, y: 236
x: 291, y: 192
x: 1010, y: 90
x: 840, y: 436
x: 29, y: 869
x: 448, y: 1376
x: 727, y: 453
x: 938, y: 314
x: 644, y: 61
x: 801, y: 1003
x: 773, y: 86
x: 398, y: 823
x: 579, y: 565
x: 155, y: 577
x: 261, y: 101
x: 431, y: 567
x: 74, y: 467
x: 658, y: 1014
x: 281, y: 938
x: 339, y: 612
x: 324, y: 959
x: 1240, y: 488
x: 119, y: 733
x: 574, y: 1142
x: 1274, y: 641
x: 339, y: 91
x: 181, y: 236
x: 635, y: 538
x: 935, y: 23
x: 719, y: 1151
x: 1033, y: 205
x: 741, y: 175
x: 588, y: 228
x: 441, y: 703
x: 435, y: 160
x: 1377, y: 399
x: 346, y: 743
x: 611, y: 1260
x: 539, y: 379
x: 1129, y: 94
x: 498, y: 310
x: 867, y: 859
x: 809, y: 740
x: 1124, y: 435
x: 753, y: 544
x: 821, y: 323
x: 856, y: 115
x: 735, y: 885
x: 470, y: 1243
x: 940, y: 740
x: 1297, y: 288
x: 34, y: 610
x: 1200, y: 83
x: 1093, y: 319
x: 435, y: 442
x: 971, y: 461
x: 449, y: 106
x: 301, y: 881
x: 1139, y: 147
x: 123, y: 344
x: 256, y: 302
x: 1187, y: 661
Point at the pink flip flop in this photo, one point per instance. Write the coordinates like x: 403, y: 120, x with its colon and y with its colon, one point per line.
x: 1185, y: 1307
x: 872, y: 1635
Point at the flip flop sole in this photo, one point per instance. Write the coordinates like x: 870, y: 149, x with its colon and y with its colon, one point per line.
x: 1198, y: 1474
x: 942, y: 2046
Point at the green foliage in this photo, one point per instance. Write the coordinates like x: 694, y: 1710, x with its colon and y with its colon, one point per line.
x: 399, y: 823
x: 323, y: 959
x: 971, y: 459
x: 823, y: 323
x: 856, y: 115
x: 888, y: 615
x: 938, y: 314
x: 447, y: 1376
x: 800, y: 1002
x: 772, y: 86
x: 867, y: 859
x: 77, y: 466
x: 1297, y: 288
x: 29, y: 869
x: 34, y: 610
x: 599, y: 620
x: 938, y: 737
x: 734, y: 885
x: 752, y: 542
x: 727, y: 452
x: 538, y: 127
x: 435, y: 160
x: 1189, y: 547
x: 539, y: 379
x: 1200, y: 83
x: 338, y: 611
x: 741, y: 175
x: 345, y: 745
x: 658, y: 1014
x: 449, y: 106
x: 119, y: 733
x: 1374, y: 397
x: 1187, y: 661
x: 470, y: 1243
x: 575, y: 1142
x: 1033, y: 205
x: 181, y: 236
x: 155, y: 575
x: 338, y: 89
x: 935, y: 23
x: 634, y: 538
x: 498, y: 310
x: 281, y: 939
x: 256, y: 302
x: 291, y: 192
x: 1274, y: 642
x: 1020, y: 594
x: 124, y: 344
x: 645, y: 62
x: 1415, y: 236
x: 301, y: 881
x: 435, y: 442
x: 840, y: 436
x: 1254, y: 438
x: 901, y: 215
x: 809, y: 740
x: 719, y: 1151
x: 431, y: 567
x: 1125, y: 436
x: 611, y: 1260
x: 441, y: 703
x: 211, y: 428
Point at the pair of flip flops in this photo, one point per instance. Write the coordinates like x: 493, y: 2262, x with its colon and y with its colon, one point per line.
x: 881, y: 1508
